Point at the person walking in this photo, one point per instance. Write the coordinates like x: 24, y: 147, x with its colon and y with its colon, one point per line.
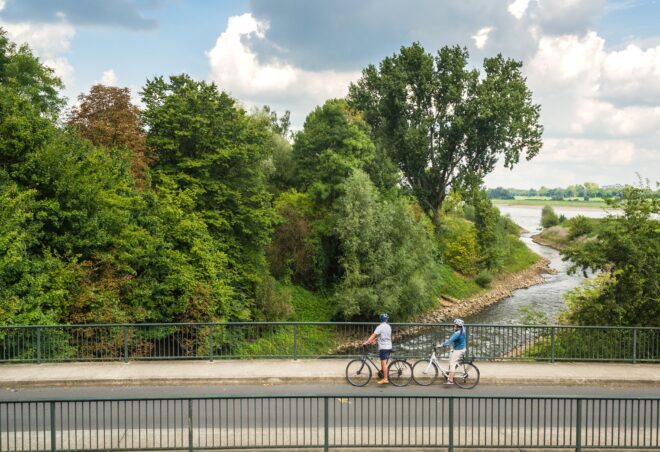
x: 382, y: 334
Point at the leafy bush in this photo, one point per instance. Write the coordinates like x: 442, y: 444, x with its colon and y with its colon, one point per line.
x: 579, y: 225
x: 273, y: 303
x: 458, y: 241
x: 484, y: 278
x: 626, y: 254
x: 549, y: 217
x: 291, y: 252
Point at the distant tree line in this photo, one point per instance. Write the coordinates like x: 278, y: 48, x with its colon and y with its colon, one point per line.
x: 585, y: 191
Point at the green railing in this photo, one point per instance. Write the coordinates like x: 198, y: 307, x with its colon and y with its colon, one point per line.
x: 330, y: 421
x: 209, y: 341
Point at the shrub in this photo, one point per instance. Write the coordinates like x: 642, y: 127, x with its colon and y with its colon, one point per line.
x: 580, y: 225
x: 291, y: 252
x: 484, y: 279
x: 549, y: 217
x: 273, y: 302
x: 459, y: 245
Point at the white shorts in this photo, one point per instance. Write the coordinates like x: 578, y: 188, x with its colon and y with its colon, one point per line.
x: 454, y: 357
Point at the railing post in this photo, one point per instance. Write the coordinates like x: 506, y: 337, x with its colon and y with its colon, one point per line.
x: 125, y: 343
x: 578, y: 427
x: 38, y: 345
x: 552, y: 344
x: 451, y: 424
x: 634, y: 354
x: 295, y: 341
x: 211, y: 343
x: 190, y: 425
x: 53, y: 445
x: 326, y: 425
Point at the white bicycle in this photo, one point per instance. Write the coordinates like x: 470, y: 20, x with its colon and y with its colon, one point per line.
x: 426, y: 371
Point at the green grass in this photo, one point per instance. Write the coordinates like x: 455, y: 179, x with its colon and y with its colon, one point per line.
x: 311, y: 340
x: 545, y: 201
x: 559, y: 235
x: 454, y: 285
x: 310, y: 307
x: 520, y: 257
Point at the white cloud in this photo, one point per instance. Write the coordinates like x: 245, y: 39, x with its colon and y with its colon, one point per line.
x: 109, y: 78
x: 481, y: 38
x: 2, y: 5
x: 48, y: 42
x: 518, y: 8
x: 573, y: 161
x: 236, y: 68
x: 586, y: 90
x: 576, y: 150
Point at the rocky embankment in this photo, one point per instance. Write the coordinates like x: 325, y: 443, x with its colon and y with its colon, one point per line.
x: 502, y: 287
x: 451, y: 308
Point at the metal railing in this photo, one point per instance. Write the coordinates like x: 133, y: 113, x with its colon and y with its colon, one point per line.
x: 330, y: 421
x: 317, y: 339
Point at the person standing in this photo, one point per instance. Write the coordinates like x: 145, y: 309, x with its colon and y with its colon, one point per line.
x: 383, y: 333
x: 459, y: 343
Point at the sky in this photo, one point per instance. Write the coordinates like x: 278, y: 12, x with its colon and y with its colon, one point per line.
x: 592, y: 65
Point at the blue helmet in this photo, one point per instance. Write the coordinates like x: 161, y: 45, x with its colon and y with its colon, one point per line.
x: 384, y: 317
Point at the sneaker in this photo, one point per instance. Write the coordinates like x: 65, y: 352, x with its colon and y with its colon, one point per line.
x: 449, y: 383
x: 383, y: 382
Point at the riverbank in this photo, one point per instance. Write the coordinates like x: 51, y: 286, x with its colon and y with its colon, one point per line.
x: 501, y: 287
x: 552, y: 241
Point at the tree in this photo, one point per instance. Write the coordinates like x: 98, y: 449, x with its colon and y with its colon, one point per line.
x: 627, y: 252
x: 444, y: 125
x: 205, y: 143
x: 486, y: 221
x: 386, y: 254
x: 334, y: 142
x: 29, y: 104
x: 279, y: 166
x: 106, y: 117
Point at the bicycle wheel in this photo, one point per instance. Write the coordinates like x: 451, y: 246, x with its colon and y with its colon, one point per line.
x: 358, y: 372
x: 466, y: 376
x: 400, y: 372
x: 424, y: 372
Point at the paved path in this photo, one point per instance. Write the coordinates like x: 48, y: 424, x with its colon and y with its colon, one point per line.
x: 320, y: 371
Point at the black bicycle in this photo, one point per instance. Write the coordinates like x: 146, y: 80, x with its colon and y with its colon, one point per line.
x: 358, y: 371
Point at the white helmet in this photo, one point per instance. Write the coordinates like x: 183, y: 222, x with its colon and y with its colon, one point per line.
x: 459, y: 322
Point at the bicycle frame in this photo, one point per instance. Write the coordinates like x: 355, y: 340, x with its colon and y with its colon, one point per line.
x: 366, y: 358
x: 434, y: 360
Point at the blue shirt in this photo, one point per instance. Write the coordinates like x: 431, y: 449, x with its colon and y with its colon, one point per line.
x: 457, y: 340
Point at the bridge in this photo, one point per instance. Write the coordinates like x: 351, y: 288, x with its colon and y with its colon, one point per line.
x: 64, y: 392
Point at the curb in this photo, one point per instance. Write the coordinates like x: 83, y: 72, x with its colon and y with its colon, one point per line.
x: 497, y: 381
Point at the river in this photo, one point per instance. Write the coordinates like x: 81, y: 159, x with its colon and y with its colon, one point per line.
x: 545, y: 297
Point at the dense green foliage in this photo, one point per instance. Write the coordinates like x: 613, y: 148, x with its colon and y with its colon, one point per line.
x: 386, y: 254
x: 191, y: 209
x: 548, y: 217
x: 446, y: 125
x: 626, y: 252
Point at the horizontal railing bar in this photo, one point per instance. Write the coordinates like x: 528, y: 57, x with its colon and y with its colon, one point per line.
x: 328, y: 395
x: 426, y: 324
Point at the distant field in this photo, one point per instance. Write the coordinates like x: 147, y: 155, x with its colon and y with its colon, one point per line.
x: 546, y: 201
